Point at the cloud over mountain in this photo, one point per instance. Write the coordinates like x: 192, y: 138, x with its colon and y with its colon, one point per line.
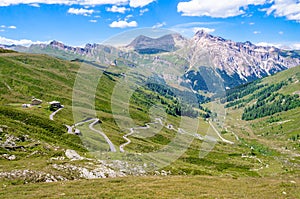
x: 22, y: 42
x: 123, y: 24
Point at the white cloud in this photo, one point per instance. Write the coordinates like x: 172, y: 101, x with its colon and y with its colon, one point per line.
x: 208, y: 30
x: 281, y: 32
x: 285, y: 8
x: 7, y: 27
x: 230, y: 8
x: 269, y: 44
x: 251, y: 23
x: 215, y: 8
x: 256, y: 32
x: 63, y: 2
x: 295, y: 46
x: 285, y: 46
x: 35, y: 5
x: 117, y: 9
x: 123, y: 24
x: 2, y: 30
x: 247, y: 15
x: 23, y: 42
x: 80, y: 11
x: 128, y: 17
x: 142, y: 11
x: 159, y: 25
x: 139, y: 3
x: 93, y: 21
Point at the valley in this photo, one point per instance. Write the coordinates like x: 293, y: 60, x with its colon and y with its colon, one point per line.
x: 148, y: 117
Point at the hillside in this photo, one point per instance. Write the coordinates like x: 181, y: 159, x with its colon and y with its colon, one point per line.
x: 162, y: 187
x: 36, y: 149
x: 267, y: 111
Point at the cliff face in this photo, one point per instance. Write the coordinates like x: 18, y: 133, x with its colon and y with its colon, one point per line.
x: 243, y: 59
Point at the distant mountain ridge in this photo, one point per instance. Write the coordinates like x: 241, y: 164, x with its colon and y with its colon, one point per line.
x: 235, y: 62
x: 148, y: 45
x: 244, y: 58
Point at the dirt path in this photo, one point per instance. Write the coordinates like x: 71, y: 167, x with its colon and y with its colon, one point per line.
x: 217, y: 132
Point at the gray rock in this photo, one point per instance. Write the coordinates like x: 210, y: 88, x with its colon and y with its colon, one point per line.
x: 12, y: 157
x: 73, y: 155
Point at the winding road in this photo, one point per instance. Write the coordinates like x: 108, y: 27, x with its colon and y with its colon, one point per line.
x: 111, y: 145
x: 169, y: 126
x: 125, y: 137
x: 233, y: 133
x: 91, y: 126
x: 128, y: 140
x: 53, y: 113
x: 94, y: 121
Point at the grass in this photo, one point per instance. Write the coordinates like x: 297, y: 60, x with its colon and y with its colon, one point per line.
x: 160, y: 187
x: 47, y: 78
x: 20, y: 123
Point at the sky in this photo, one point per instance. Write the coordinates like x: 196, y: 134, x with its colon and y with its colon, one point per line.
x: 77, y: 22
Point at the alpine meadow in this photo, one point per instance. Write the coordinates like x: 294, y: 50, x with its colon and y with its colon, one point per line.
x: 204, y: 103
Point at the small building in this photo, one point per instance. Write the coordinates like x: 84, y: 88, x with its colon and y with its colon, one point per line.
x: 55, y: 105
x: 36, y: 101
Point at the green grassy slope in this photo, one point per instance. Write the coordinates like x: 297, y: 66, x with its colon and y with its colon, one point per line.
x: 25, y: 75
x: 275, y: 135
x: 264, y: 148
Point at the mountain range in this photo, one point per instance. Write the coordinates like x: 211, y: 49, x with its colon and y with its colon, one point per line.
x: 235, y: 62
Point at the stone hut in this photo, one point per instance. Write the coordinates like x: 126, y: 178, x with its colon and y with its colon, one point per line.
x: 36, y: 101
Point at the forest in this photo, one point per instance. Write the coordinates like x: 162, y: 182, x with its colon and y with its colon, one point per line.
x: 270, y: 105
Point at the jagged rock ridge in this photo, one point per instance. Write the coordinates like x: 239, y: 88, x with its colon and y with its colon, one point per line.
x: 235, y: 62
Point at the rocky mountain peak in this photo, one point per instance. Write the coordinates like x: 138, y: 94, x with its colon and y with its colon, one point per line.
x: 237, y: 62
x: 56, y: 43
x: 202, y: 33
x: 147, y: 45
x: 60, y: 46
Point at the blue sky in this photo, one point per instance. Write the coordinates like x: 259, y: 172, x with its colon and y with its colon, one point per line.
x: 77, y: 22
